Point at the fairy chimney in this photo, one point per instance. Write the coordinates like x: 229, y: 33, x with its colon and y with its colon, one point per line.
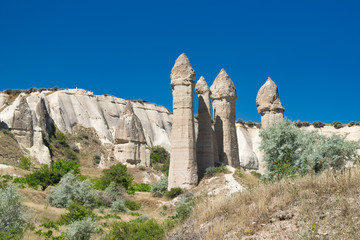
x: 183, y: 165
x: 269, y: 105
x: 205, y: 148
x: 223, y: 94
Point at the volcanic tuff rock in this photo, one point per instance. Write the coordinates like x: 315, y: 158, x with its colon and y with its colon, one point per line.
x: 183, y: 165
x: 206, y: 147
x: 32, y: 116
x: 223, y: 94
x: 268, y: 104
x: 130, y: 142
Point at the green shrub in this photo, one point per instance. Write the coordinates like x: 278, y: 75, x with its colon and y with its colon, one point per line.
x: 70, y: 189
x: 160, y: 159
x: 131, y: 205
x: 337, y: 124
x: 256, y: 174
x: 76, y: 212
x: 250, y: 123
x: 289, y: 150
x: 117, y: 174
x: 161, y: 186
x: 81, y: 230
x: 46, y: 176
x: 118, y: 206
x: 240, y: 121
x: 136, y: 230
x: 25, y: 163
x: 139, y: 187
x: 65, y: 165
x: 211, y: 171
x: 318, y: 124
x: 112, y: 190
x: 12, y: 217
x: 174, y: 192
x: 351, y: 124
x: 96, y: 159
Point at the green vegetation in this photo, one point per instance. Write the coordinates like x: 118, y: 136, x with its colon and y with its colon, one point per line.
x: 25, y: 163
x: 131, y: 205
x: 76, y: 211
x: 300, y: 124
x: 118, y: 206
x: 174, y: 192
x: 46, y: 176
x: 337, y: 124
x: 81, y: 230
x: 117, y: 174
x: 290, y: 151
x: 70, y: 189
x: 318, y: 124
x: 160, y: 188
x: 138, y: 187
x: 12, y: 217
x: 160, y: 159
x: 211, y: 171
x: 136, y: 230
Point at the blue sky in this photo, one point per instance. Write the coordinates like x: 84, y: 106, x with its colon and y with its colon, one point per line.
x: 311, y: 49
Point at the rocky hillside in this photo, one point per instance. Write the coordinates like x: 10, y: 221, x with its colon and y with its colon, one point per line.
x: 32, y: 116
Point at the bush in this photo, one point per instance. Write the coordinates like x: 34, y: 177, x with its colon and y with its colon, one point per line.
x: 12, y: 217
x: 81, y: 230
x: 96, y: 159
x: 25, y: 163
x: 161, y: 186
x: 211, y: 171
x: 136, y: 230
x: 112, y: 190
x: 337, y: 125
x: 160, y: 159
x: 118, y: 206
x: 240, y: 121
x: 133, y: 206
x: 139, y: 187
x: 117, y: 174
x: 46, y: 176
x: 174, y: 192
x: 250, y: 123
x: 351, y: 124
x: 289, y: 150
x: 70, y: 189
x: 318, y: 124
x: 76, y: 212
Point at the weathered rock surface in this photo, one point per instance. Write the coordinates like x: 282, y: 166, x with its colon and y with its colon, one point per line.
x: 269, y: 105
x: 183, y: 165
x: 130, y: 142
x: 206, y: 147
x: 35, y: 114
x: 223, y: 94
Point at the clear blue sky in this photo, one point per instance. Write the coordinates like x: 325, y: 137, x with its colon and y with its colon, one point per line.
x: 311, y: 49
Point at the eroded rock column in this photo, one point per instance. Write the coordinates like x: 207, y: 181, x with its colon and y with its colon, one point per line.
x: 130, y: 142
x: 269, y: 105
x: 183, y: 166
x: 205, y: 139
x: 223, y: 94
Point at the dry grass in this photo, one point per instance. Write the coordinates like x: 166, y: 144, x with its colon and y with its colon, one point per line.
x: 313, y: 207
x: 10, y: 151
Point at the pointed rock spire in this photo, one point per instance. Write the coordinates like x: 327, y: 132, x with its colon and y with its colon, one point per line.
x: 201, y: 86
x: 268, y: 98
x: 128, y: 109
x: 223, y: 86
x: 182, y: 73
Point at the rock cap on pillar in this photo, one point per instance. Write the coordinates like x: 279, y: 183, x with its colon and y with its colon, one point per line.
x: 268, y: 98
x: 201, y: 86
x: 182, y: 73
x: 223, y: 87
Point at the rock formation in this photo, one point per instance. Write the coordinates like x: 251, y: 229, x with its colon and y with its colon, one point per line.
x: 269, y: 105
x: 130, y: 142
x: 223, y: 94
x: 205, y: 144
x: 183, y: 165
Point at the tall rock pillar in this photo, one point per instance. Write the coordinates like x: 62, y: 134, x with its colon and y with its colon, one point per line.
x: 205, y: 141
x: 269, y: 105
x: 223, y: 94
x: 183, y: 165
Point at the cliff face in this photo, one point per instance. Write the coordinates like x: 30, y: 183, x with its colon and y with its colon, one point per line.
x: 32, y: 116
